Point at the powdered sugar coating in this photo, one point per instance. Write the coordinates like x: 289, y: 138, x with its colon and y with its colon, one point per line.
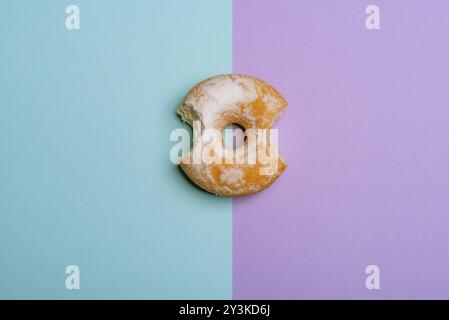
x: 227, y: 99
x: 220, y: 94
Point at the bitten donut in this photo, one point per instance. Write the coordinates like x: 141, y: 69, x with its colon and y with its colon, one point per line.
x: 233, y: 99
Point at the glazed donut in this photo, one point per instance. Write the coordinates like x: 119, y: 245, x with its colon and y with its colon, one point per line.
x: 232, y: 99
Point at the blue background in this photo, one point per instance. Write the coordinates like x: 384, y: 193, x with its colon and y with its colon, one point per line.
x: 85, y: 176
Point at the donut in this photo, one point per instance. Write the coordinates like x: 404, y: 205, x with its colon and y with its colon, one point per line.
x: 233, y: 99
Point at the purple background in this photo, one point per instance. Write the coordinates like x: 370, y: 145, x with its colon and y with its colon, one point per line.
x: 366, y: 137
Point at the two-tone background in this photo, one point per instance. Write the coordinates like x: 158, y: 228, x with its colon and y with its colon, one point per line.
x: 86, y: 180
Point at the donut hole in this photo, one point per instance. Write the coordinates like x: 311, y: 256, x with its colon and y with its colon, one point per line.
x: 234, y: 135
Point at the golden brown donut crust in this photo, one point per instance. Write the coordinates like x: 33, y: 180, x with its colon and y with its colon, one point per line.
x: 226, y: 99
